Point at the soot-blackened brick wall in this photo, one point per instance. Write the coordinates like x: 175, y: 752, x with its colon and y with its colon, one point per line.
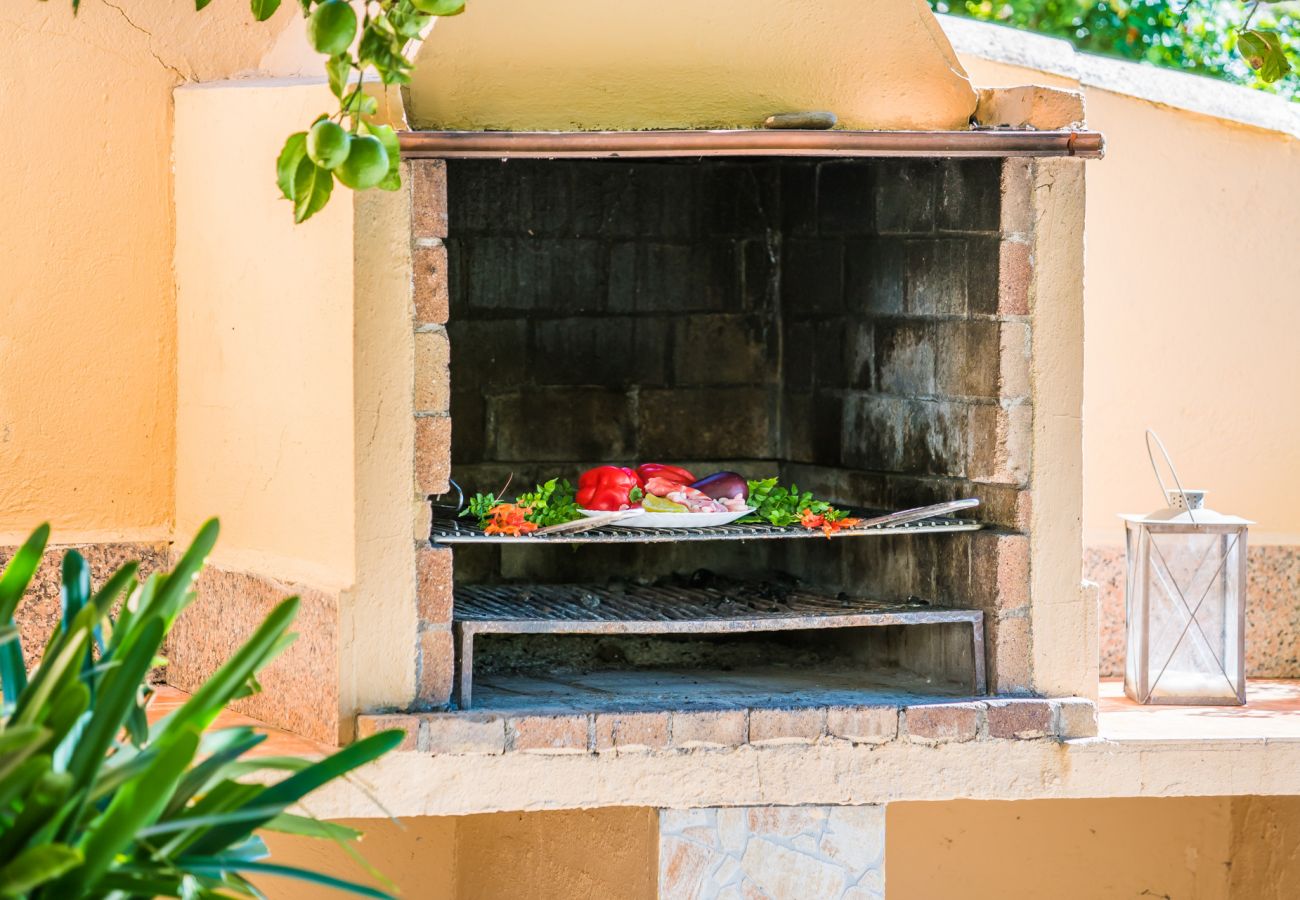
x: 857, y: 326
x: 839, y: 314
x: 612, y: 311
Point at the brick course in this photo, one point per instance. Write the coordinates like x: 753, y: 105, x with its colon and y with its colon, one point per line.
x: 548, y: 734
x: 784, y: 726
x: 723, y: 728
x: 949, y: 722
x: 434, y: 667
x: 1021, y: 720
x: 369, y: 725
x: 631, y: 731
x: 458, y: 733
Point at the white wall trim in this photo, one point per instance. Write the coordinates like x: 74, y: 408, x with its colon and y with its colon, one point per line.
x: 1180, y: 90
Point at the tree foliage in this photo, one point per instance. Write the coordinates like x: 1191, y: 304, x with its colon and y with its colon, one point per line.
x: 1251, y: 44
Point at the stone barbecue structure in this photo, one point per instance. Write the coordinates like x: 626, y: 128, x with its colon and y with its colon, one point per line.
x: 870, y: 328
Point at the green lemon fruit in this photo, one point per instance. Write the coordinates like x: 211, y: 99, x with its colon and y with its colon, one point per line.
x: 661, y: 505
x: 332, y: 27
x: 327, y: 144
x: 366, y: 165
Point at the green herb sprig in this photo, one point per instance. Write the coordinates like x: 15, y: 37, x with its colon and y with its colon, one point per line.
x: 552, y: 502
x: 782, y: 506
x: 480, y: 507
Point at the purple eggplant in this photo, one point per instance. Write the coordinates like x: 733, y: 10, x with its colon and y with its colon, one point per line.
x: 723, y: 485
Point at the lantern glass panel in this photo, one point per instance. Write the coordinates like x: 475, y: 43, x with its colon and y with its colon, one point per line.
x: 1185, y: 597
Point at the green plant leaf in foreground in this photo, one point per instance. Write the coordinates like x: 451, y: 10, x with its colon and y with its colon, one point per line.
x: 13, y: 583
x: 95, y: 801
x: 36, y: 866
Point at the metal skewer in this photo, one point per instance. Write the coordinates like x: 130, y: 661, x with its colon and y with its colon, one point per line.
x: 589, y: 523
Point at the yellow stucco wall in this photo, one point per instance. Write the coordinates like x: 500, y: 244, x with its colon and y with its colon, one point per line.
x: 622, y: 64
x: 295, y: 377
x: 1194, y: 848
x: 571, y: 855
x: 1189, y: 309
x: 264, y: 429
x: 87, y: 349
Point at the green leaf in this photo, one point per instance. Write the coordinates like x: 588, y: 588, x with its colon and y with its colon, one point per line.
x: 292, y: 789
x: 36, y: 866
x: 67, y: 719
x: 119, y: 581
x: 142, y: 882
x: 115, y: 699
x: 264, y: 9
x: 18, y: 574
x: 74, y: 589
x: 175, y: 588
x: 225, y: 796
x: 138, y: 802
x: 358, y: 102
x: 441, y: 7
x: 287, y: 823
x: 13, y: 672
x: 17, y: 783
x: 172, y: 826
x: 1263, y: 51
x: 338, y: 68
x: 44, y: 804
x: 13, y: 584
x: 286, y: 166
x: 388, y: 137
x: 60, y: 664
x: 17, y: 745
x: 217, y: 866
x: 223, y: 748
x: 199, y: 4
x: 312, y: 186
x: 207, y: 702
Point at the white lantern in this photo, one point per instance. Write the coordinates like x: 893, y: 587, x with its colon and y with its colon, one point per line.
x: 1186, y: 601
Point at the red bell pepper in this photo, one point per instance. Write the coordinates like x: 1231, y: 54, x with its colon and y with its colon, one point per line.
x: 663, y: 470
x: 609, y: 488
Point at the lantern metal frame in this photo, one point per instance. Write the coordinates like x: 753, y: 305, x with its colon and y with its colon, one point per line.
x: 1142, y: 551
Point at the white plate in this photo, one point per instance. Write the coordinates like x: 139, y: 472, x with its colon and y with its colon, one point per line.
x: 673, y: 520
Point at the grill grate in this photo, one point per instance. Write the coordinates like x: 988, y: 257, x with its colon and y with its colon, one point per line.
x: 636, y: 609
x: 449, y: 529
x: 709, y: 606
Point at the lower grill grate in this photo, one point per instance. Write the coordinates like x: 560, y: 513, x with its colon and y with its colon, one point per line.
x: 688, y: 608
x: 672, y: 609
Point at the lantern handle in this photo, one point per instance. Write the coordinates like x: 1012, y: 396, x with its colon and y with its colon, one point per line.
x: 1164, y: 491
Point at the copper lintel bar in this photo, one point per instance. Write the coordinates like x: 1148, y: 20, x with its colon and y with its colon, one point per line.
x: 631, y: 144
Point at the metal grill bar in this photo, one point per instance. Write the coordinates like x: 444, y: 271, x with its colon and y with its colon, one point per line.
x: 448, y: 529
x: 667, y: 609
